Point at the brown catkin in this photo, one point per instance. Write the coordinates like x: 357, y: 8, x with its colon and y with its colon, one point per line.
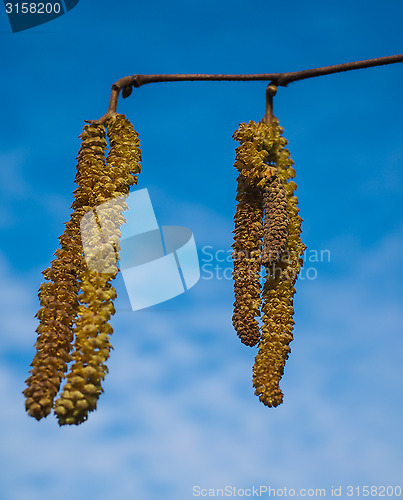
x: 277, y: 319
x: 246, y: 274
x: 92, y: 330
x: 278, y: 290
x: 58, y: 296
x: 275, y: 229
x: 254, y: 162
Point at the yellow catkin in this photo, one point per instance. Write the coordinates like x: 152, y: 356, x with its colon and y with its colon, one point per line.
x: 58, y: 296
x: 279, y: 290
x: 92, y: 330
x: 255, y: 164
x: 247, y: 240
x: 254, y: 159
x: 251, y: 164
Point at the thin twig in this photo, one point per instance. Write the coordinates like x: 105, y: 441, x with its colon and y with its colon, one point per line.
x: 270, y: 93
x: 279, y: 79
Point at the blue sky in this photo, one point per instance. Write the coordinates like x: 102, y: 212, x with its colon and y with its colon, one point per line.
x: 178, y: 408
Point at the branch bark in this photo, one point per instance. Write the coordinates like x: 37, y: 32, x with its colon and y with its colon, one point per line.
x: 279, y: 79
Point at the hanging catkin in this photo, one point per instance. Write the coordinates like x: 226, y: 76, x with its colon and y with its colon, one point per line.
x: 92, y: 330
x: 275, y: 229
x: 58, y: 296
x: 248, y: 236
x: 251, y: 162
x: 278, y: 290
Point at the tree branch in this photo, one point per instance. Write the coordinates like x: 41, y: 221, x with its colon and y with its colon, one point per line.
x: 279, y: 79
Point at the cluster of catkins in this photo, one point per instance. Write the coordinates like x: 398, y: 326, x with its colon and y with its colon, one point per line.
x: 77, y: 298
x: 267, y: 233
